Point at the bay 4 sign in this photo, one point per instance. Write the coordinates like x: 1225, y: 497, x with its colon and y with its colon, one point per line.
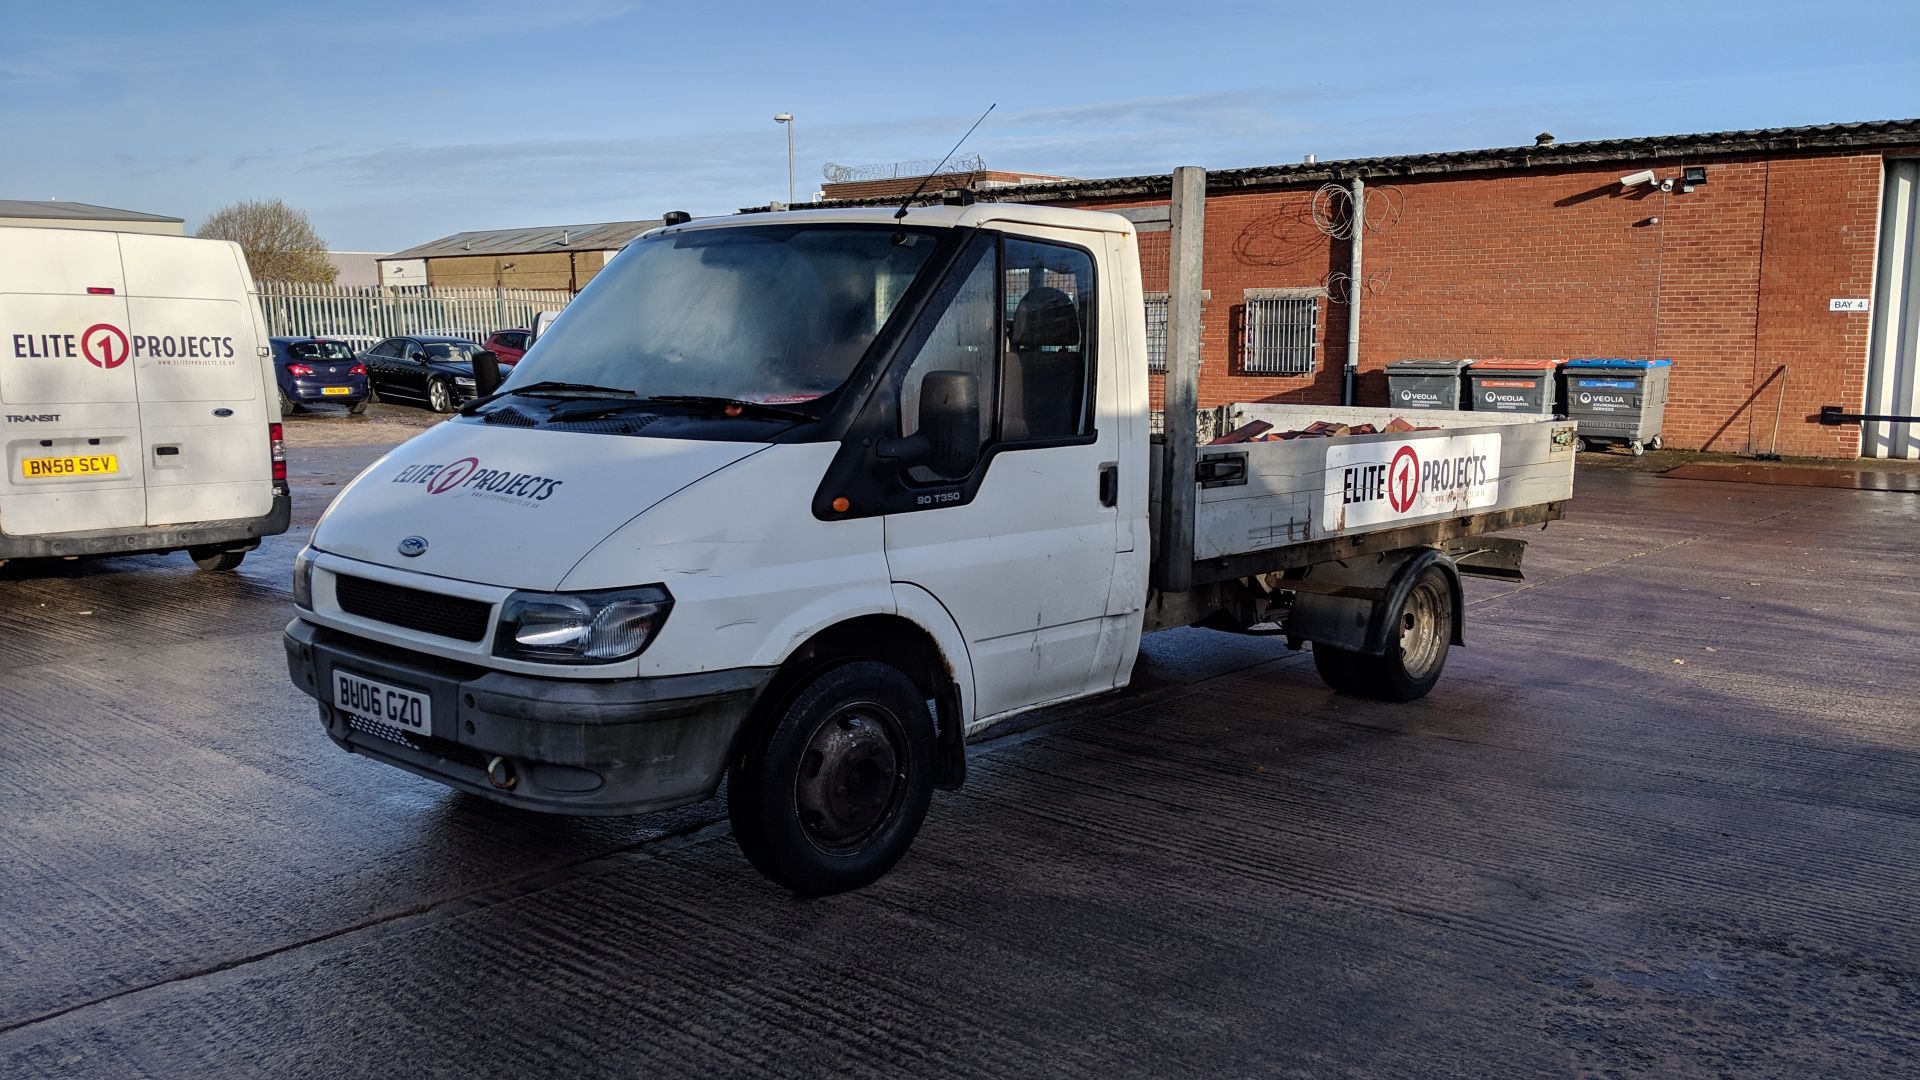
x: 1372, y: 483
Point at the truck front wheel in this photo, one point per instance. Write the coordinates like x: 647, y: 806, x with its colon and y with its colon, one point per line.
x: 1415, y: 654
x: 830, y: 790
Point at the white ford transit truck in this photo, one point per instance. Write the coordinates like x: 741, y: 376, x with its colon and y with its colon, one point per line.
x: 804, y: 499
x: 137, y: 399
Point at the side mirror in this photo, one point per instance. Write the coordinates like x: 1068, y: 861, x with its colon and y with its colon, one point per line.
x: 419, y: 358
x: 486, y: 371
x: 950, y: 420
x: 948, y: 441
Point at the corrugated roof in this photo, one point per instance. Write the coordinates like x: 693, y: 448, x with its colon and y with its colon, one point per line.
x: 605, y: 236
x: 56, y: 210
x: 1872, y: 133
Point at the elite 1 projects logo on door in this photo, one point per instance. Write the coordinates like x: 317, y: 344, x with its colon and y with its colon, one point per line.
x: 1406, y: 479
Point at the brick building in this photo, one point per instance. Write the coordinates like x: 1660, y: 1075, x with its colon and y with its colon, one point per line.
x: 551, y: 257
x: 1541, y: 251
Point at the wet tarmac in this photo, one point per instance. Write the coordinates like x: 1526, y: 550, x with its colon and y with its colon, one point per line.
x: 1661, y: 818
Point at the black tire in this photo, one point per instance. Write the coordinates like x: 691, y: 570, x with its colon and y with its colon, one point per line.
x: 830, y: 788
x: 439, y: 395
x: 215, y: 560
x: 1415, y: 656
x: 1337, y: 667
x: 373, y: 393
x: 286, y: 405
x: 1657, y: 443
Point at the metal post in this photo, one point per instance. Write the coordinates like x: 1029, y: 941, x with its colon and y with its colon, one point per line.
x: 786, y: 120
x: 1183, y: 376
x: 1354, y: 286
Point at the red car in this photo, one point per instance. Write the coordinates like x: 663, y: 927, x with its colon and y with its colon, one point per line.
x: 509, y: 345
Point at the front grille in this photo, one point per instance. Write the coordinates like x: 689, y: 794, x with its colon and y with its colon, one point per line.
x: 430, y: 613
x: 457, y: 753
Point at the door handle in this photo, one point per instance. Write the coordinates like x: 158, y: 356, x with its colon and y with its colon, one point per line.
x: 1110, y: 483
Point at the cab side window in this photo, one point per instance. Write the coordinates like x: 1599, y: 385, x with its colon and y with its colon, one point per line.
x: 964, y: 338
x: 1046, y: 387
x: 1017, y: 316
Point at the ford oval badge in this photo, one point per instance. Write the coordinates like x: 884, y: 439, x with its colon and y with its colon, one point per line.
x: 413, y: 545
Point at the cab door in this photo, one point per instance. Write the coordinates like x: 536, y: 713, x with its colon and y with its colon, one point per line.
x: 1022, y: 550
x: 69, y: 410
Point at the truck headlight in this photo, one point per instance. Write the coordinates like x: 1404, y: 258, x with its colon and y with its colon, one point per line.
x: 583, y: 627
x: 303, y: 579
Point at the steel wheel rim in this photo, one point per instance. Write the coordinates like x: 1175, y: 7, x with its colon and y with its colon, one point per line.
x: 1423, y: 623
x: 852, y: 777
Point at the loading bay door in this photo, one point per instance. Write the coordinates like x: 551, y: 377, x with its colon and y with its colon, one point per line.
x: 1893, y: 362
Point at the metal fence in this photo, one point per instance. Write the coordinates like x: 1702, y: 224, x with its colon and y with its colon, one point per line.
x: 1157, y: 328
x: 295, y: 309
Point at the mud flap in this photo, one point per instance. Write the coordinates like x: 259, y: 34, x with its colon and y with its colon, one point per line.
x: 1359, y: 624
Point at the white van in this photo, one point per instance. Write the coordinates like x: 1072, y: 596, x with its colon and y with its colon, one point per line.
x: 135, y: 399
x: 803, y: 499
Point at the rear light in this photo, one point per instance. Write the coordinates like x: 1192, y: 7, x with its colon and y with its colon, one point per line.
x: 299, y: 369
x: 357, y: 369
x: 277, y: 443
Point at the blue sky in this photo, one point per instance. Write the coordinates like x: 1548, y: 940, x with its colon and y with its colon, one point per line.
x: 394, y: 123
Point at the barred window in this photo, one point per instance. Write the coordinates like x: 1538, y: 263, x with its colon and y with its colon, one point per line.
x: 1281, y: 325
x: 1157, y: 329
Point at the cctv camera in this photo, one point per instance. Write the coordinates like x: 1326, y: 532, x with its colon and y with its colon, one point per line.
x: 1644, y: 176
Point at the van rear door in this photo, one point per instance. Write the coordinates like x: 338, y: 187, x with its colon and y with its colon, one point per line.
x: 69, y: 404
x: 195, y: 342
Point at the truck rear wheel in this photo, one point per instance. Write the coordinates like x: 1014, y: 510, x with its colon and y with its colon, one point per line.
x: 830, y: 790
x: 1415, y: 655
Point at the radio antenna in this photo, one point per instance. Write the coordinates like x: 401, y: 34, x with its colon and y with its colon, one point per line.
x: 902, y: 212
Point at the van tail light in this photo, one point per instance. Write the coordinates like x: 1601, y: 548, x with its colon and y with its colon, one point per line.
x: 357, y: 369
x: 299, y: 369
x: 276, y: 440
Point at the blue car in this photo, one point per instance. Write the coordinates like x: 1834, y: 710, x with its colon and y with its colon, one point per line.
x: 319, y: 371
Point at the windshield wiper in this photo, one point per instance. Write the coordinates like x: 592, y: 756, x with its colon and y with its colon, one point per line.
x: 726, y: 406
x: 548, y: 389
x: 737, y: 406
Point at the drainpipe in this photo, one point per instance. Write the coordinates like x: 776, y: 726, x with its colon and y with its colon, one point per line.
x: 1353, y: 287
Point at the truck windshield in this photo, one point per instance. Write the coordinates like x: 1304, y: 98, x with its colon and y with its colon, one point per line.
x: 771, y: 314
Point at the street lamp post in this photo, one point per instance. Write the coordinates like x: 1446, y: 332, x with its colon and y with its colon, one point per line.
x: 786, y: 120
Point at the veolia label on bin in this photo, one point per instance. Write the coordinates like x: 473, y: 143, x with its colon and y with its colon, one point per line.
x: 1377, y: 482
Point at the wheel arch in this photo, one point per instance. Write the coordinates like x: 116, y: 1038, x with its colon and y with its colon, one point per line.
x: 902, y: 643
x: 1379, y: 625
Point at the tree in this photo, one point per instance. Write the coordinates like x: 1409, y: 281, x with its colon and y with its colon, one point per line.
x: 278, y: 240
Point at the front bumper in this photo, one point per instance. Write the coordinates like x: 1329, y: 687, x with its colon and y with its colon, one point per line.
x: 141, y: 538
x: 625, y: 746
